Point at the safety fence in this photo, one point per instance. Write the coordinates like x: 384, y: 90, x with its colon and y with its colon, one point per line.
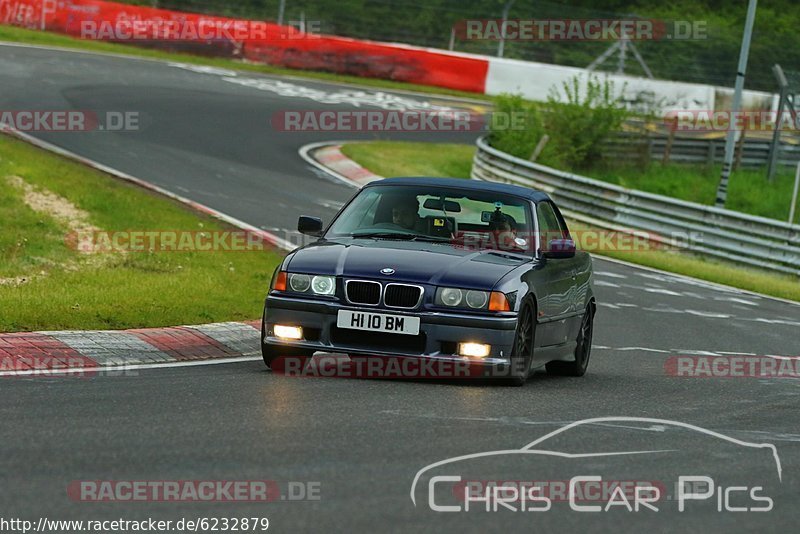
x: 724, y: 234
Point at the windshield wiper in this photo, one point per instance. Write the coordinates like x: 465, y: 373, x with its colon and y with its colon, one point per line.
x: 399, y: 236
x: 384, y: 235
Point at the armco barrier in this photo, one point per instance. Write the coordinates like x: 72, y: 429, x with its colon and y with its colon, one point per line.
x: 632, y: 145
x: 737, y: 237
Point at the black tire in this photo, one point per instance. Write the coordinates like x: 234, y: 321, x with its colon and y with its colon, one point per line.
x: 583, y: 349
x: 522, y: 352
x: 275, y: 355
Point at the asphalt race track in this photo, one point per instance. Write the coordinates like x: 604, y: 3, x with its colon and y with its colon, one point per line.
x: 361, y: 442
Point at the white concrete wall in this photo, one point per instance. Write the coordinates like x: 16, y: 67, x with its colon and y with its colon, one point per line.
x: 535, y: 80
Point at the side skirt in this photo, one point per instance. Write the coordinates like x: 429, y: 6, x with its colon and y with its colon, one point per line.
x: 564, y: 352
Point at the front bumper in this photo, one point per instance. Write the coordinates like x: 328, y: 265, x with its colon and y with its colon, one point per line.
x: 438, y: 339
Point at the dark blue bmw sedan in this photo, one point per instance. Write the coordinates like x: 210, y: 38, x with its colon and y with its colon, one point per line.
x: 443, y: 269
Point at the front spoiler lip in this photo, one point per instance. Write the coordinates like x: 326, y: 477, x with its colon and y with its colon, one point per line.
x: 362, y: 352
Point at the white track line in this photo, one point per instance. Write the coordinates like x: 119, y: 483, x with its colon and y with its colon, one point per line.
x: 305, y: 153
x: 274, y: 239
x: 710, y: 285
x: 121, y: 368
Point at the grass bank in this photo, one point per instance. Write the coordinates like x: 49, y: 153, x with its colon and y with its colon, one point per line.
x: 47, y: 284
x: 748, y: 190
x: 409, y: 159
x: 390, y: 158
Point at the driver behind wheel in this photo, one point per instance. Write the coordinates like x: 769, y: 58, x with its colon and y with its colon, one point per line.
x: 405, y: 213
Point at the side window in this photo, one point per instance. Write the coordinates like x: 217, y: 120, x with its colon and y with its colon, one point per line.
x: 550, y: 226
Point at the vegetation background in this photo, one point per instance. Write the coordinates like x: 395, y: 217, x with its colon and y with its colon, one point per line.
x: 429, y: 22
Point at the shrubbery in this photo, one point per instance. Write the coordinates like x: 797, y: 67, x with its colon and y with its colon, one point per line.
x: 516, y: 126
x: 577, y: 127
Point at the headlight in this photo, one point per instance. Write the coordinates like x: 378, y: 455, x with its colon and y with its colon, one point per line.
x: 317, y: 285
x: 471, y: 299
x: 300, y: 282
x: 323, y: 285
x: 450, y: 296
x: 477, y: 299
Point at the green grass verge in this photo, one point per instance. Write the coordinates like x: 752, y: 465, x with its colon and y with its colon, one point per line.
x: 68, y: 290
x: 21, y: 35
x: 389, y: 158
x: 409, y: 159
x: 748, y: 189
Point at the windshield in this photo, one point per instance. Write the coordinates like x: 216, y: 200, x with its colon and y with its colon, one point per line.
x: 475, y: 219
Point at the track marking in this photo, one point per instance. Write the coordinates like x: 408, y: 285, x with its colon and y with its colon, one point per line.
x: 694, y: 281
x: 712, y: 315
x: 625, y: 349
x: 610, y: 274
x: 662, y: 291
x: 305, y: 153
x: 133, y: 367
x: 603, y: 283
x: 737, y: 300
x: 432, y: 96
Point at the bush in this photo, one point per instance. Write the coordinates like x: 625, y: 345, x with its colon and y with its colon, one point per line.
x: 579, y: 126
x: 515, y: 126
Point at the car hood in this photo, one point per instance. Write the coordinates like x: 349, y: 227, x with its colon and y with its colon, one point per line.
x: 414, y: 262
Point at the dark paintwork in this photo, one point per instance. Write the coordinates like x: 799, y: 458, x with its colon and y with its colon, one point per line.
x: 560, y: 288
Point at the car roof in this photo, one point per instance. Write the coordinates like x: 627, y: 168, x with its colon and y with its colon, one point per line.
x: 466, y: 185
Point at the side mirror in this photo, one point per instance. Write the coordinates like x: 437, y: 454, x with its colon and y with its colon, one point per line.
x: 309, y: 225
x: 560, y: 249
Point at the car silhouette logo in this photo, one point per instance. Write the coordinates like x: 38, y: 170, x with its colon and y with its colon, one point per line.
x: 387, y: 271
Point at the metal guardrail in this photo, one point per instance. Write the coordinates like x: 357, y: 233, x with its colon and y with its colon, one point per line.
x: 755, y: 152
x: 724, y: 234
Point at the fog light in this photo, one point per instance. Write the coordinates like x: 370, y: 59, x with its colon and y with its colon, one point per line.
x: 474, y: 350
x: 288, y: 332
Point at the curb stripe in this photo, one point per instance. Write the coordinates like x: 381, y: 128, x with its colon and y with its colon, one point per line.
x: 79, y: 351
x: 241, y: 338
x: 331, y: 159
x: 30, y: 351
x: 183, y: 344
x: 111, y: 347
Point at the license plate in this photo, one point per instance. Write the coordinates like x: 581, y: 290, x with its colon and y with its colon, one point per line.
x: 378, y: 322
